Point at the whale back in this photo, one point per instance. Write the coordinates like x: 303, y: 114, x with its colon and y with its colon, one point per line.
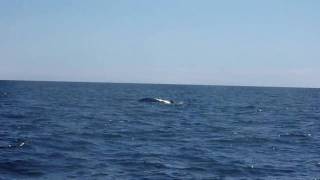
x: 156, y: 100
x: 148, y: 100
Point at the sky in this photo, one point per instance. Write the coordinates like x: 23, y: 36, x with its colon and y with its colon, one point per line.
x: 229, y: 42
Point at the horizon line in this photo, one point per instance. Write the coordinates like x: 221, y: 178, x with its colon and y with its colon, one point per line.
x: 154, y: 83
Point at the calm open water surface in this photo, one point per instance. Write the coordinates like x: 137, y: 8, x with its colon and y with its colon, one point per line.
x: 52, y: 130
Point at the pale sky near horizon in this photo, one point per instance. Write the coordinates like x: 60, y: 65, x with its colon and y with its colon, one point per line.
x: 226, y: 42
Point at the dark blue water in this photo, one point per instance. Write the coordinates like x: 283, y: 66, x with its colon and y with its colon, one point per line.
x: 53, y: 130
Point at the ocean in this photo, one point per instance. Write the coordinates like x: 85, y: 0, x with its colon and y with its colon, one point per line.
x: 63, y: 130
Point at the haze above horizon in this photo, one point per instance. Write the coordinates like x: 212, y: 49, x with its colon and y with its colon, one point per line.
x: 248, y: 43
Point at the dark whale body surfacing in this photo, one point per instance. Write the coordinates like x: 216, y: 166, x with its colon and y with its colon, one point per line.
x: 156, y: 100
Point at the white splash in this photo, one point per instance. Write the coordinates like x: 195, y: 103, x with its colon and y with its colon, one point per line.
x: 163, y: 101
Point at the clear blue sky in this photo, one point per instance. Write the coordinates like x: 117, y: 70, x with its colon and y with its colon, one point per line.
x: 228, y: 42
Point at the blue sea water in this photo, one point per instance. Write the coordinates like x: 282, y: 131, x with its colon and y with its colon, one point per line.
x: 58, y: 130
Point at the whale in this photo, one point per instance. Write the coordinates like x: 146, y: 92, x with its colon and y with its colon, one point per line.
x: 156, y: 100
